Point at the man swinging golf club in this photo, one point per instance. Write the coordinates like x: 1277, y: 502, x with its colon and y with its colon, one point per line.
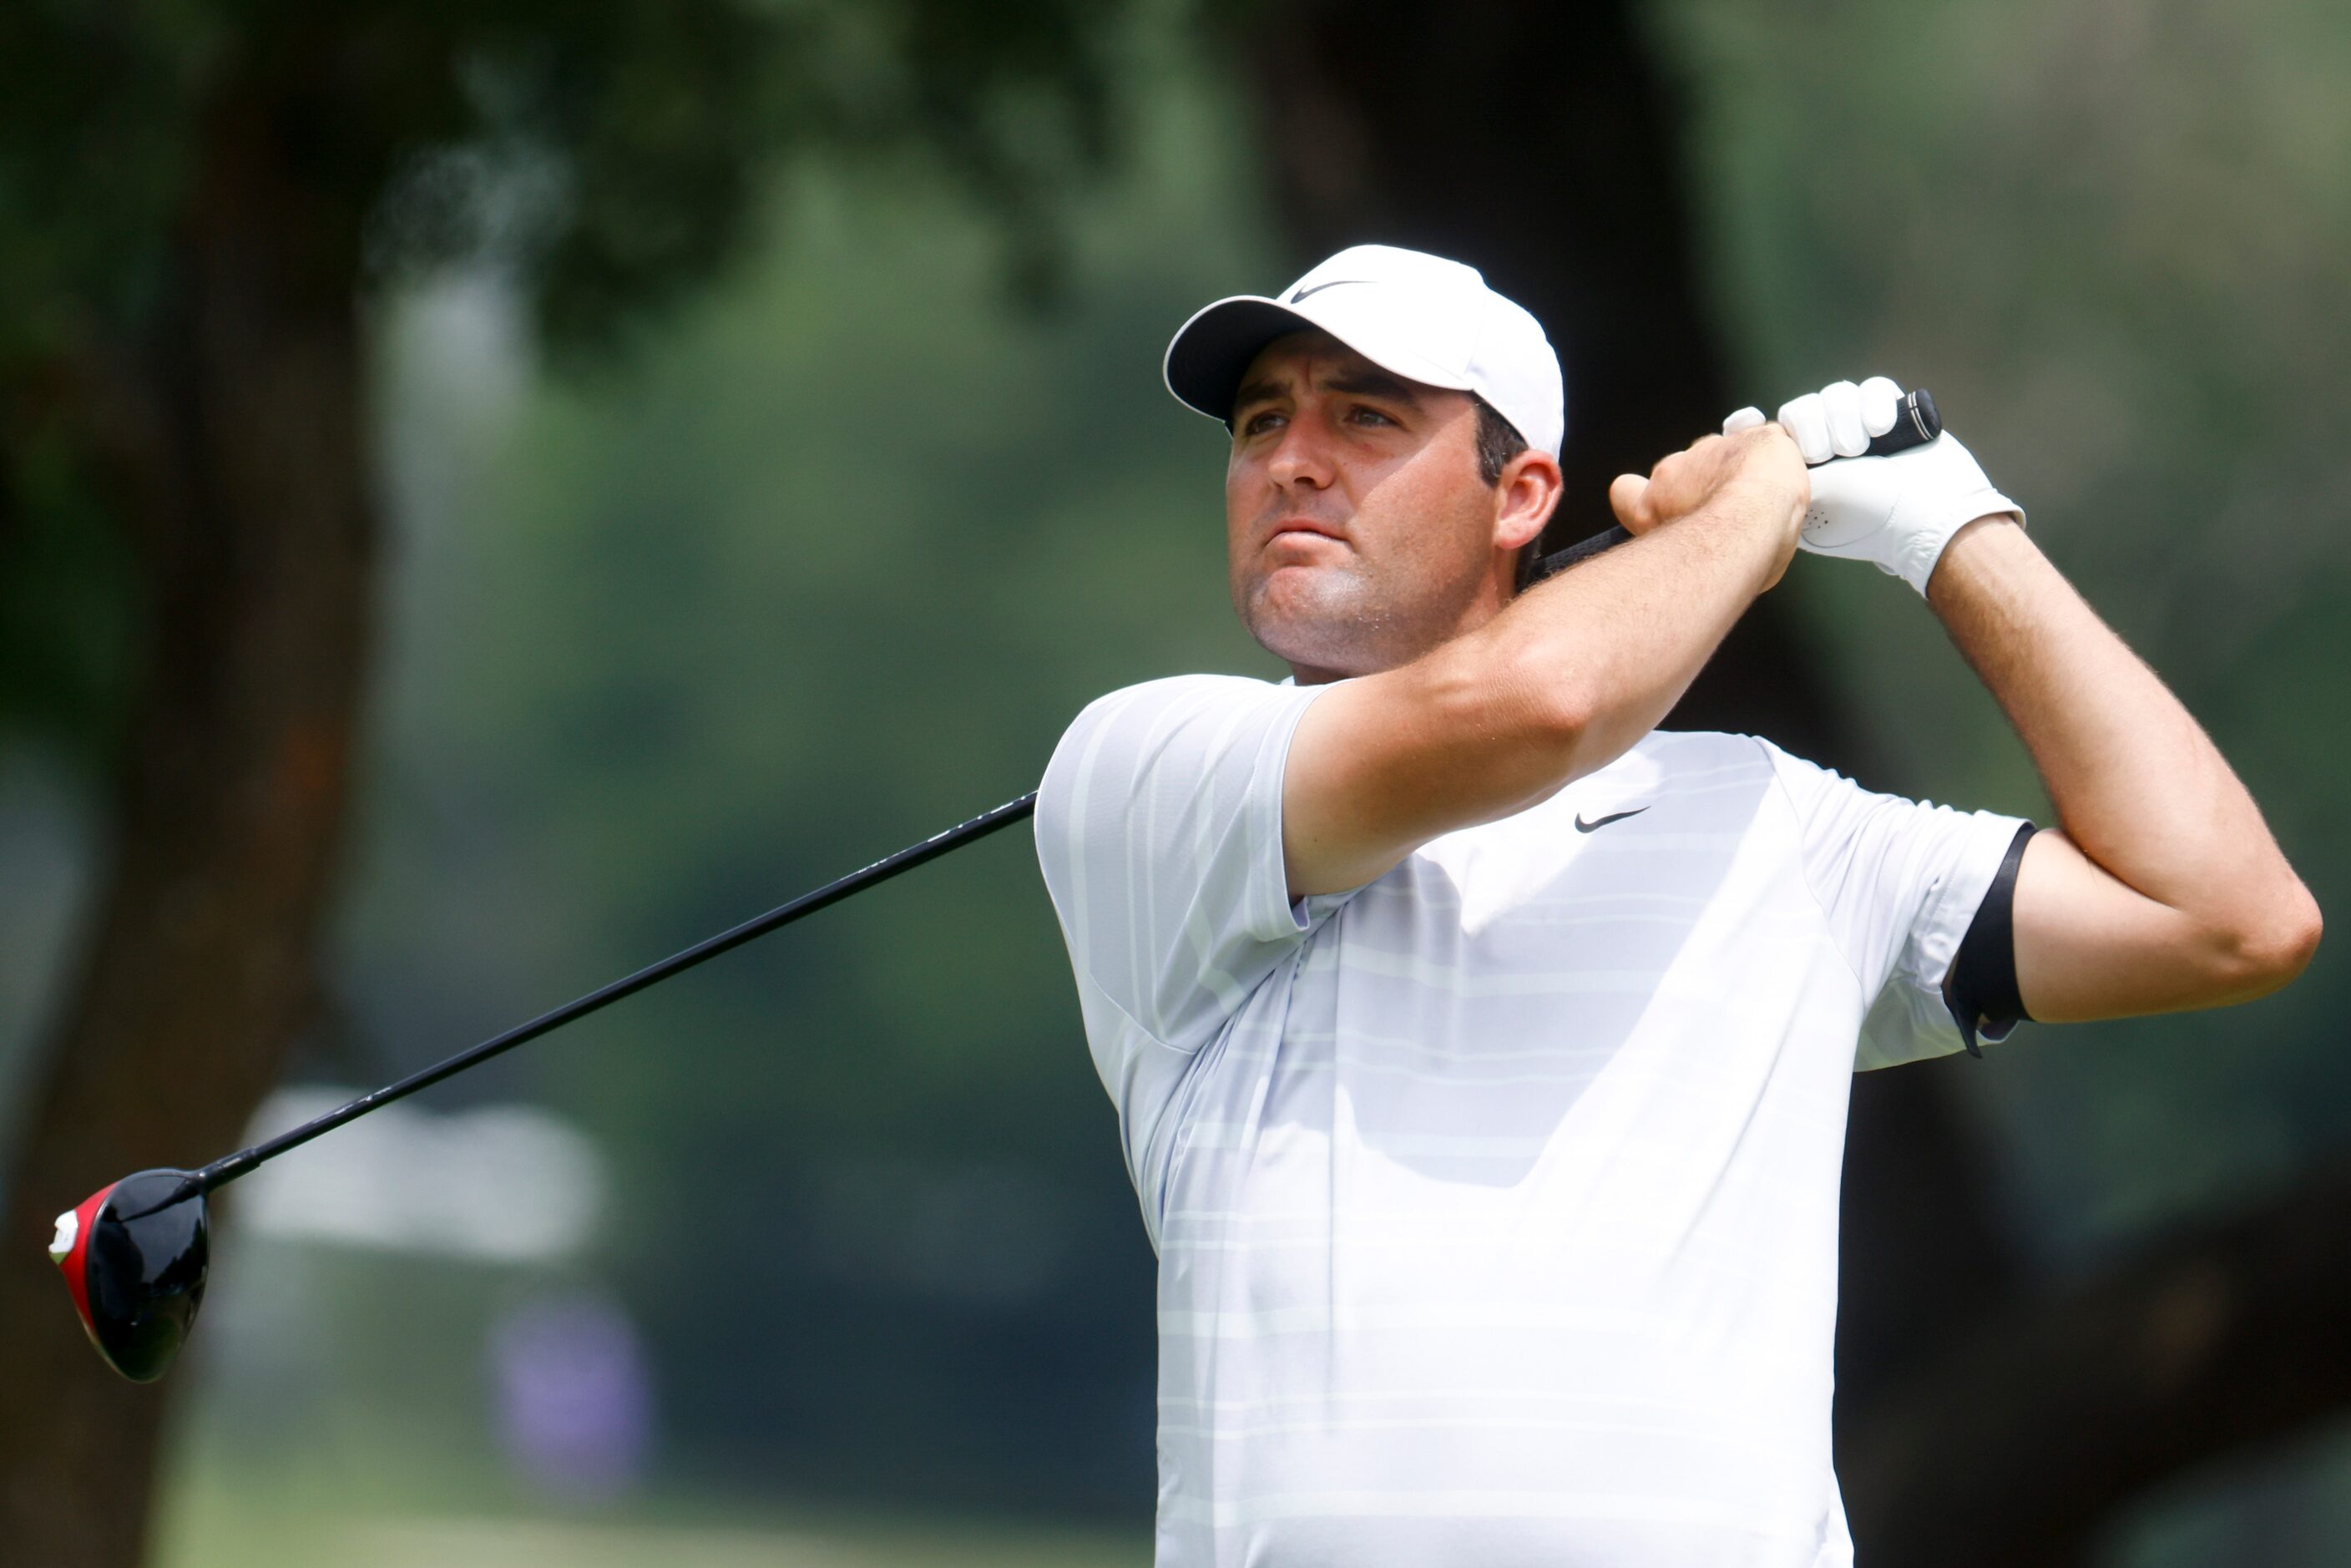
x: 1481, y: 1050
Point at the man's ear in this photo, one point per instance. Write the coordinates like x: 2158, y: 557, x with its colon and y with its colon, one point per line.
x: 1524, y: 498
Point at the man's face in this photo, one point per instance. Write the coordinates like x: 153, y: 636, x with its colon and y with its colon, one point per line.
x: 1359, y: 532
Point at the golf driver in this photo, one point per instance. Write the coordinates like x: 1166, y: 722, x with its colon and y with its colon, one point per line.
x: 135, y: 1254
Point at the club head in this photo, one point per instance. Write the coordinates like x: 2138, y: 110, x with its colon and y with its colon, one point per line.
x: 135, y: 1256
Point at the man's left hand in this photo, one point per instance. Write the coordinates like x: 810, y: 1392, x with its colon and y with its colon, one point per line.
x: 1896, y: 513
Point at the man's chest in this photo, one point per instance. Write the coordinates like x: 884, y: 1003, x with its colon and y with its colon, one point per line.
x: 1494, y: 1043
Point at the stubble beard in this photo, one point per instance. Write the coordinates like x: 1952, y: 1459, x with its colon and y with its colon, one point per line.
x: 1342, y: 624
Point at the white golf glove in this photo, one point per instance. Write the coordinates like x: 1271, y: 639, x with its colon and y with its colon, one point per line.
x: 1896, y: 512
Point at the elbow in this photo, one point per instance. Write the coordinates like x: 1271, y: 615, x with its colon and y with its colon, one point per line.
x: 1552, y: 711
x: 2264, y: 955
x: 1517, y: 728
x: 1563, y: 720
x: 1520, y: 700
x: 2296, y: 941
x: 1559, y: 727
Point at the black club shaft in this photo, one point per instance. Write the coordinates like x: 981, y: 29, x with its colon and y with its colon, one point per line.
x: 229, y: 1167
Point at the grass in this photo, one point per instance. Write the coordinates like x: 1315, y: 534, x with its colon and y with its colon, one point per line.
x: 387, y: 1504
x: 206, y: 1530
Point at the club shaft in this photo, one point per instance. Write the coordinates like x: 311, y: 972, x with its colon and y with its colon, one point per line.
x: 229, y: 1167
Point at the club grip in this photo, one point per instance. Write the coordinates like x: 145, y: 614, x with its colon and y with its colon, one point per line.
x: 1917, y: 422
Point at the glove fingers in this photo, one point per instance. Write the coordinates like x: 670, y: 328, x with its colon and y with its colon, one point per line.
x: 1807, y: 420
x: 1746, y: 418
x: 1881, y: 404
x: 1842, y: 402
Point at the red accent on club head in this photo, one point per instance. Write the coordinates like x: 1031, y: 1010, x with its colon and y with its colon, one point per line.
x: 75, y: 1263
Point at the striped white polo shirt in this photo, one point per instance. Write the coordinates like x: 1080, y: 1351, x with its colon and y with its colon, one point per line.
x: 1496, y: 1201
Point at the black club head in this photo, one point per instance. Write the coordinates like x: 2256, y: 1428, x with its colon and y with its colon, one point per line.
x: 135, y: 1256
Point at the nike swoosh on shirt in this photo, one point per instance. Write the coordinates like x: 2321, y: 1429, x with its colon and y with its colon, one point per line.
x: 1321, y: 287
x: 1584, y: 827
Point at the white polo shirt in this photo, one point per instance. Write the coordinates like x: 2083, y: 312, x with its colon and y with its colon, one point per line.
x: 1496, y: 1201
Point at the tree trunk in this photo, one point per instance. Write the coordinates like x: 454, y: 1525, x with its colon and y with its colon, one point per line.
x: 233, y: 435
x: 1539, y: 142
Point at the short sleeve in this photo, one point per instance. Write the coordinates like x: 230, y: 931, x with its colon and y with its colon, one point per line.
x: 1898, y: 881
x: 1159, y: 831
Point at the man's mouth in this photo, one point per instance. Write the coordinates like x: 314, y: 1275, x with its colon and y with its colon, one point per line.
x: 1308, y: 525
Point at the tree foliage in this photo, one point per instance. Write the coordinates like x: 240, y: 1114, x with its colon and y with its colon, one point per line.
x: 609, y: 155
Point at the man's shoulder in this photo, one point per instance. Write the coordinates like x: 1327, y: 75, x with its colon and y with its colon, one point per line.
x: 1171, y: 734
x: 1803, y: 779
x: 1682, y: 752
x: 1163, y: 691
x: 1157, y: 707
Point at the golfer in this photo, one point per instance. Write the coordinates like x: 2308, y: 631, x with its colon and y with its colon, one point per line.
x: 1481, y: 1050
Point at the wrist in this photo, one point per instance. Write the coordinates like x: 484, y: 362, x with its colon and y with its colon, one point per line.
x: 1975, y: 548
x: 1771, y: 514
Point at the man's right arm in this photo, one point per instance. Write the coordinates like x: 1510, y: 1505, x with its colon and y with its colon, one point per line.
x: 1559, y: 683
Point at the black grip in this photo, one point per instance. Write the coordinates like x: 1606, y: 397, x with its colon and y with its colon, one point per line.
x: 1917, y: 422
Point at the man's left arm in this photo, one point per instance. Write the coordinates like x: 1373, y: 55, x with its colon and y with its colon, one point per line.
x: 2161, y: 888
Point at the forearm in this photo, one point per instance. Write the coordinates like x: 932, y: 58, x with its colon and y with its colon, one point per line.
x: 1558, y: 683
x: 2137, y: 786
x: 1621, y: 637
x: 1561, y: 682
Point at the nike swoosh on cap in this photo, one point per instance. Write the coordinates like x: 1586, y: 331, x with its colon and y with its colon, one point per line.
x: 1321, y: 287
x: 1584, y: 827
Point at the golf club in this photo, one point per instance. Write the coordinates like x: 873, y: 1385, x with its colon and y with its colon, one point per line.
x: 135, y: 1254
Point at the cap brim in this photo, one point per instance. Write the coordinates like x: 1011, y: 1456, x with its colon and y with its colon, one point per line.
x: 1209, y: 353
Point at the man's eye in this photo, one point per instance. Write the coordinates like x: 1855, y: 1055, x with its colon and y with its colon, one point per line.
x: 1368, y: 416
x: 1259, y: 424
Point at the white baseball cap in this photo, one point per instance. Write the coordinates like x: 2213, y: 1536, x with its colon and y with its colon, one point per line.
x: 1419, y: 316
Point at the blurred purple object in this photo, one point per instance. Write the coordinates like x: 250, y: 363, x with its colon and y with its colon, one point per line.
x: 574, y: 1401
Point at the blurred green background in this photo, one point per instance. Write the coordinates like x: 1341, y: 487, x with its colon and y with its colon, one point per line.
x: 841, y: 1266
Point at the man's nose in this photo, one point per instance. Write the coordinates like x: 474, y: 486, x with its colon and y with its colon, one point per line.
x: 1300, y: 458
